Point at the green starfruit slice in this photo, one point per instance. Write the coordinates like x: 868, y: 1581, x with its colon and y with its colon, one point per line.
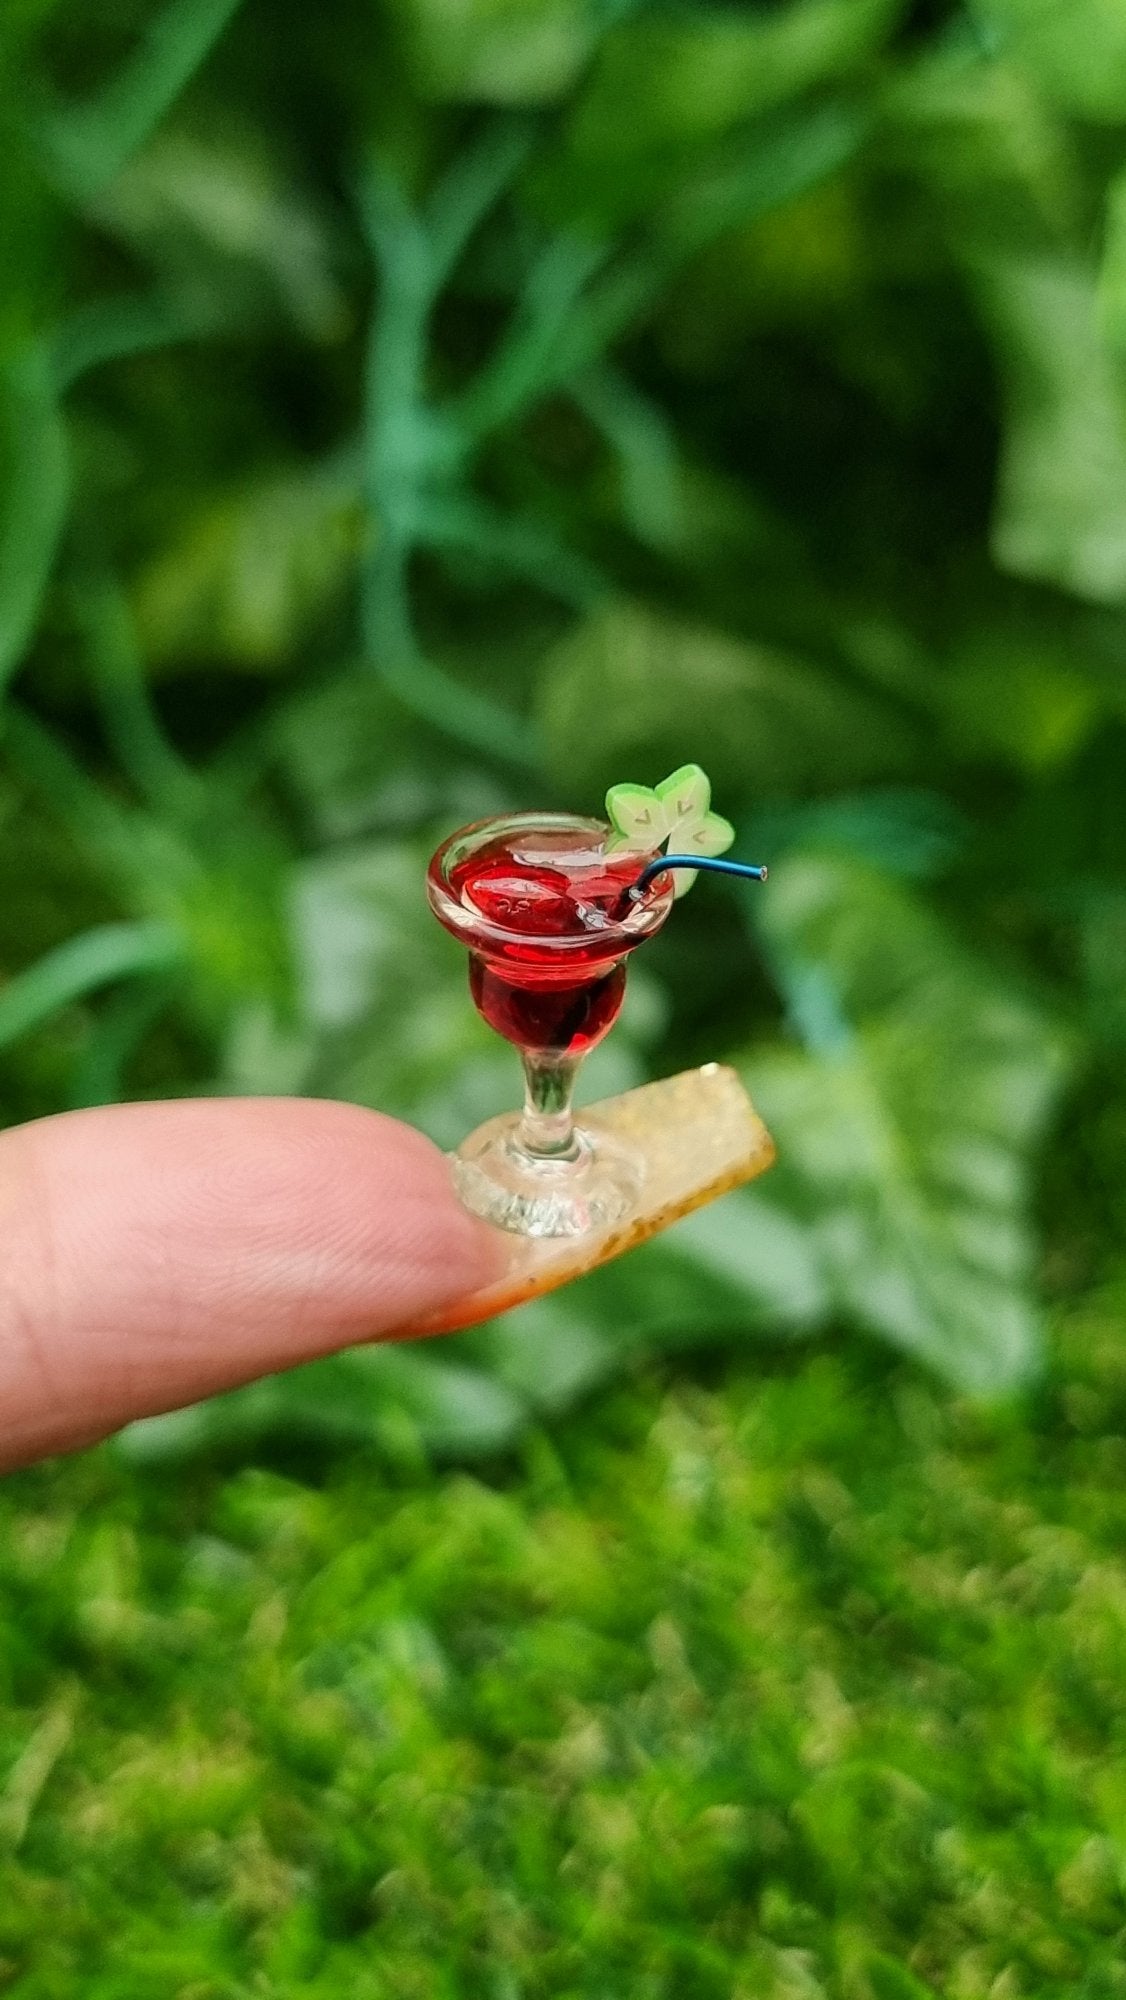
x: 677, y: 811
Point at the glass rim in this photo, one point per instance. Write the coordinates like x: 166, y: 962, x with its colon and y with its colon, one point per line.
x: 643, y: 920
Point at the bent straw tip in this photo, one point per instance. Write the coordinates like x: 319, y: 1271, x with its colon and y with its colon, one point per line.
x: 661, y: 862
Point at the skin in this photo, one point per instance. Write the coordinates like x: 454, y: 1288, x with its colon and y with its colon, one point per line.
x: 151, y: 1254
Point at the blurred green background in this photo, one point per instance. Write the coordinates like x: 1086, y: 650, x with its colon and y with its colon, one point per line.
x: 416, y: 408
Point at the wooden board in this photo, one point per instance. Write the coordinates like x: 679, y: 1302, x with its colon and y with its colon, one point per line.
x: 700, y: 1135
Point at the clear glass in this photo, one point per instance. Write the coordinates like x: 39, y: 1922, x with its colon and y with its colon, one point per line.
x: 547, y: 918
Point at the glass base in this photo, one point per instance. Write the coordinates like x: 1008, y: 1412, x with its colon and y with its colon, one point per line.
x: 496, y: 1178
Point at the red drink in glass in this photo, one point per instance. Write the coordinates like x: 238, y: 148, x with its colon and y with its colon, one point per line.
x: 549, y: 923
x: 545, y: 913
x: 528, y: 990
x: 565, y: 1020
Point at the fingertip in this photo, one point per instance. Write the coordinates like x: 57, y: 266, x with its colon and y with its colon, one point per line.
x: 159, y: 1252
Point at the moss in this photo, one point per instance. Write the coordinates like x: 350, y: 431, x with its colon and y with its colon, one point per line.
x: 806, y: 1682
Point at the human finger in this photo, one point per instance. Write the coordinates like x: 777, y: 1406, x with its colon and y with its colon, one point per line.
x: 151, y: 1254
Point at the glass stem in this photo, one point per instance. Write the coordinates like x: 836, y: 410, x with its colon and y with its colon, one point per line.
x: 547, y: 1129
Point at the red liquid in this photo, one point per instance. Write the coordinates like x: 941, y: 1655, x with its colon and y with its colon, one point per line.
x: 529, y: 989
x: 567, y: 1020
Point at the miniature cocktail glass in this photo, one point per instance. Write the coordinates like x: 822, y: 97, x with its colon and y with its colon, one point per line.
x: 548, y: 917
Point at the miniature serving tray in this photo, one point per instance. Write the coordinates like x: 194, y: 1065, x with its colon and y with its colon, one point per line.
x: 700, y: 1136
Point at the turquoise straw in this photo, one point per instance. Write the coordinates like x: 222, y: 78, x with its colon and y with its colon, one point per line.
x: 705, y: 861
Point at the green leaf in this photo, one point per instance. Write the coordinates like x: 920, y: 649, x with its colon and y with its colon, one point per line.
x: 913, y: 833
x: 1061, y: 504
x: 549, y: 1352
x: 637, y: 431
x: 495, y: 51
x: 1020, y: 695
x: 1102, y: 955
x: 111, y: 328
x: 1111, y: 297
x: 983, y: 140
x: 890, y: 1980
x: 387, y: 1397
x: 92, y: 144
x: 762, y: 171
x: 1075, y: 54
x: 230, y: 235
x: 249, y: 571
x: 907, y: 1129
x: 358, y: 762
x: 751, y: 1244
x: 82, y: 965
x: 691, y: 79
x: 739, y: 1270
x: 21, y: 21
x: 34, y: 493
x: 767, y: 722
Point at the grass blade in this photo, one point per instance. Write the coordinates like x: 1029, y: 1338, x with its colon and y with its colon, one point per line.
x: 96, y: 958
x: 92, y: 143
x: 33, y: 504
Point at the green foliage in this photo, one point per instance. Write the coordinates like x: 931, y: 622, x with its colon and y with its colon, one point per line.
x: 439, y: 409
x: 92, y: 144
x: 34, y: 462
x: 1061, y: 507
x: 916, y: 1194
x: 690, y: 80
x: 250, y: 571
x: 788, y: 724
x: 804, y: 1685
x: 501, y: 52
x: 93, y: 959
x: 1076, y: 57
x: 415, y: 410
